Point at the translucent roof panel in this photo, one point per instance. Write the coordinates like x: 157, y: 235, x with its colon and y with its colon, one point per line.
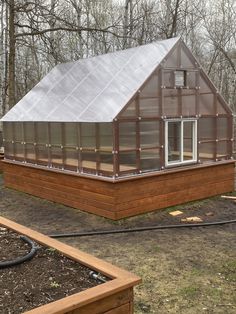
x: 91, y: 90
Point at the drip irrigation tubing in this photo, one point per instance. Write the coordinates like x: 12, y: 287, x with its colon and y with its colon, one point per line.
x: 140, y: 229
x: 24, y: 258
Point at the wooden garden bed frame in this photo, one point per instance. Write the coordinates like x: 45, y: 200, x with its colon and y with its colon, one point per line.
x: 123, y: 197
x: 112, y: 297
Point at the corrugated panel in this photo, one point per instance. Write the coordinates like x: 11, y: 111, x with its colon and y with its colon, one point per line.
x: 90, y: 90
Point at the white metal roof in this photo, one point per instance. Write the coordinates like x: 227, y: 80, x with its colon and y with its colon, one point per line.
x: 90, y: 90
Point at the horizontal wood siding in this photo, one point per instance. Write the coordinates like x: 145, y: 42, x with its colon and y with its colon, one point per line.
x: 115, y: 303
x: 173, y: 189
x: 86, y: 194
x: 123, y: 198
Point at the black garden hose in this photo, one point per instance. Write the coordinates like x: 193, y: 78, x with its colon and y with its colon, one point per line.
x: 24, y: 258
x: 139, y: 229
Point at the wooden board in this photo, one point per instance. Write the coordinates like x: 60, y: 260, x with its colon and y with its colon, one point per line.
x: 1, y: 163
x: 121, y: 199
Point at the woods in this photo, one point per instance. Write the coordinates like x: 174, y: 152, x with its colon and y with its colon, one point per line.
x: 37, y: 35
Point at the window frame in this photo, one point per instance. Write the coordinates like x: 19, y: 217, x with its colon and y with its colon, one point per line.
x: 184, y: 72
x: 194, y: 142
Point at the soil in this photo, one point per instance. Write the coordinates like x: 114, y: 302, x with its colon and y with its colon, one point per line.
x: 184, y: 271
x: 47, y: 277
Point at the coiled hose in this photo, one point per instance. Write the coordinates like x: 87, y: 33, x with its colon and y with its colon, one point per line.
x: 24, y: 258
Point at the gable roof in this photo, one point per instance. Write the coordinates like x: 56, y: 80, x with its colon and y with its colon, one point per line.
x: 91, y: 90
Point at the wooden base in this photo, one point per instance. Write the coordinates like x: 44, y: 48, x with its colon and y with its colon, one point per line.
x: 124, y: 198
x: 113, y: 297
x: 1, y: 163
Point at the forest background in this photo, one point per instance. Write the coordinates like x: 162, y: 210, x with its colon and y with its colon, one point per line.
x: 37, y: 35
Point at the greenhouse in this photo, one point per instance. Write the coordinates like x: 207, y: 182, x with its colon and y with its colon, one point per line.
x: 129, y: 114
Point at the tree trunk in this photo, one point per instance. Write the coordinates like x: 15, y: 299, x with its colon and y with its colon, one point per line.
x: 12, y: 56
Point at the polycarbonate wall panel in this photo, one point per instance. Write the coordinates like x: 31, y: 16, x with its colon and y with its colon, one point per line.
x: 150, y: 88
x: 56, y: 157
x: 105, y: 141
x: 222, y: 128
x: 42, y: 133
x: 188, y: 105
x: 19, y: 151
x: 150, y: 159
x: 106, y: 162
x: 127, y: 161
x: 8, y: 138
x: 88, y: 135
x: 191, y: 79
x: 127, y: 135
x: 8, y: 131
x: 56, y: 133
x: 71, y: 135
x: 207, y: 151
x: 168, y: 78
x: 206, y: 129
x: 89, y: 159
x: 149, y: 134
x: 29, y: 132
x: 149, y: 107
x: 170, y: 104
x: 18, y: 132
x: 172, y: 60
x: 42, y: 155
x: 220, y: 109
x: 9, y: 150
x: 71, y: 159
x: 222, y: 150
x: 130, y: 110
x: 206, y: 104
x: 30, y: 153
x: 186, y: 61
x: 204, y: 86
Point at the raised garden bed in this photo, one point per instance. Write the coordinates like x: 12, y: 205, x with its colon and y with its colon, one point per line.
x: 62, y: 273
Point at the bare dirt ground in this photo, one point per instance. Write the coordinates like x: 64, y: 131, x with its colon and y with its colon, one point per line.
x: 183, y: 270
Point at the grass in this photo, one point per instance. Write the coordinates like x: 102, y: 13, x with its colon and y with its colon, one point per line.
x: 190, y: 292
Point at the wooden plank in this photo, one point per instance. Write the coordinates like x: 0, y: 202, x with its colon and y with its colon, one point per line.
x: 162, y: 192
x: 65, y: 179
x: 123, y: 309
x: 178, y: 198
x: 229, y: 197
x: 106, y: 199
x: 197, y: 173
x: 62, y: 193
x: 107, y: 305
x: 170, y: 176
x: 163, y: 187
x: 53, y: 196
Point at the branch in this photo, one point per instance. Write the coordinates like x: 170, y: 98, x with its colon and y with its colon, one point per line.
x: 68, y: 29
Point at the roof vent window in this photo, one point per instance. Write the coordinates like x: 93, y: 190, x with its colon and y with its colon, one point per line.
x: 180, y: 78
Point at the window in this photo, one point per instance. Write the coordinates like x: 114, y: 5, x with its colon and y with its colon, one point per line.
x: 180, y: 78
x: 181, y: 141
